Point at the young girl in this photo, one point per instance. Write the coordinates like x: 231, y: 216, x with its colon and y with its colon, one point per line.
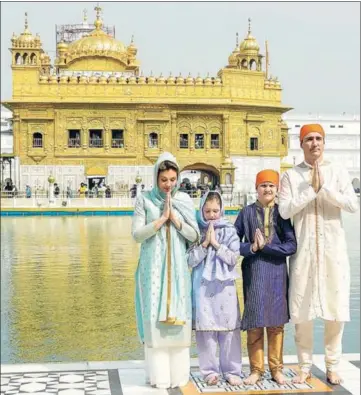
x: 216, y: 316
x: 266, y: 241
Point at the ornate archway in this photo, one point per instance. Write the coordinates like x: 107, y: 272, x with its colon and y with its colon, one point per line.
x: 208, y: 175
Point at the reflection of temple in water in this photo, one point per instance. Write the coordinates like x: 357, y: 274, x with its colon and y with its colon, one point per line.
x: 72, y: 289
x: 92, y: 113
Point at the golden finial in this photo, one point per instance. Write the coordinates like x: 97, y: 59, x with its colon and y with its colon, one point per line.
x: 236, y: 39
x: 26, y: 21
x: 249, y: 25
x: 98, y: 9
x: 85, y: 15
x: 98, y: 23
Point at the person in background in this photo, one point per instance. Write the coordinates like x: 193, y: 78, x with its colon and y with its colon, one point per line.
x: 28, y: 191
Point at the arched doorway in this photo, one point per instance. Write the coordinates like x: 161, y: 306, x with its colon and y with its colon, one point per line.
x: 196, y: 178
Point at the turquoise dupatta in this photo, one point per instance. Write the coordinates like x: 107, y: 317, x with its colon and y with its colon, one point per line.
x: 163, y: 283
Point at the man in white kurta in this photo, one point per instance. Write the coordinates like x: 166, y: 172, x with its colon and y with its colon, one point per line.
x: 313, y: 193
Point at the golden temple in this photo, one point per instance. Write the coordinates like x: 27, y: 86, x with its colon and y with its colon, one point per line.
x: 92, y: 113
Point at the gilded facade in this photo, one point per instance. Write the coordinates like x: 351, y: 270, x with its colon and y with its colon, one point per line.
x: 94, y: 114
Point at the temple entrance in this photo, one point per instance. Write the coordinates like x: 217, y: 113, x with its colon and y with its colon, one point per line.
x: 199, y: 177
x: 95, y: 181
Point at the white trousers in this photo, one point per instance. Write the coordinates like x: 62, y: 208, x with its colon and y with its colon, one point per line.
x: 332, y: 339
x: 167, y: 367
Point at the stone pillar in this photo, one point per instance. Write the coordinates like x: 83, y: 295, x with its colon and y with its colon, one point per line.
x: 173, y: 139
x: 226, y: 150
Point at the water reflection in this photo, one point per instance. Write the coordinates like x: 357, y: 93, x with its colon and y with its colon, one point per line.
x: 68, y: 287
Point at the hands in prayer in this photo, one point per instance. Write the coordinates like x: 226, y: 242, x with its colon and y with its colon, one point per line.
x: 211, y: 237
x: 259, y: 241
x: 167, y: 207
x: 317, y: 177
x: 168, y: 212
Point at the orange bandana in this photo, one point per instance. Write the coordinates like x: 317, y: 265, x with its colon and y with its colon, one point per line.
x: 311, y: 128
x: 267, y: 176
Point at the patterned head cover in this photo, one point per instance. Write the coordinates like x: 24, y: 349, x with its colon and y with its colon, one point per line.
x: 166, y: 156
x: 202, y: 222
x: 267, y: 176
x: 311, y: 128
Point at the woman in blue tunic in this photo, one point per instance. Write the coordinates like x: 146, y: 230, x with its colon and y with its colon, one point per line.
x: 164, y: 223
x: 266, y: 241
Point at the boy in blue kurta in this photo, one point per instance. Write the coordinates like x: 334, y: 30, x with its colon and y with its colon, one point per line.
x: 266, y: 241
x: 216, y: 316
x: 165, y: 223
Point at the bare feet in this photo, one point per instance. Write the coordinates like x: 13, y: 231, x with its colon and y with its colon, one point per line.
x: 301, y: 378
x: 233, y: 379
x: 211, y: 379
x: 252, y: 378
x: 279, y: 378
x: 334, y: 378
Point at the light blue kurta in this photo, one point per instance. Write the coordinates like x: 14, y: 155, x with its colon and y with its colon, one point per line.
x: 163, y: 283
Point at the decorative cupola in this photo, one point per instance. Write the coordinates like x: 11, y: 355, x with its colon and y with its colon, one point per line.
x: 26, y: 48
x: 249, y: 57
x: 233, y: 57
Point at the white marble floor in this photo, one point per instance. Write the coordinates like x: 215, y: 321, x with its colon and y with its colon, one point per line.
x: 122, y: 377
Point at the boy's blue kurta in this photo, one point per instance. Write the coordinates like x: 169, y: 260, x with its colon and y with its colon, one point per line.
x: 265, y: 277
x: 163, y: 284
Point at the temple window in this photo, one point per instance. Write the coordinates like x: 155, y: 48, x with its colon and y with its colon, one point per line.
x: 283, y: 140
x: 37, y: 140
x: 153, y: 140
x: 117, y: 138
x: 74, y: 138
x: 214, y: 140
x: 183, y: 140
x: 33, y: 58
x: 199, y: 141
x: 228, y: 178
x: 253, y: 143
x: 253, y: 65
x: 96, y: 138
x: 18, y: 59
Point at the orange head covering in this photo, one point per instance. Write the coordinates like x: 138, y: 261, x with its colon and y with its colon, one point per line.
x: 267, y: 176
x: 314, y: 127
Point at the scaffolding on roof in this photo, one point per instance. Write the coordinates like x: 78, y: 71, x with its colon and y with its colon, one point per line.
x: 70, y: 33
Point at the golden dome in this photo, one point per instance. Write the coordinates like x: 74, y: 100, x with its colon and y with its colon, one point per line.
x: 232, y: 59
x: 62, y: 46
x: 26, y: 37
x: 132, y: 49
x: 161, y: 79
x: 151, y: 78
x: 249, y: 43
x: 96, y: 43
x: 190, y: 79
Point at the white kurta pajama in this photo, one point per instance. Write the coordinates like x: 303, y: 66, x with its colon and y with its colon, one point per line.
x: 319, y: 271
